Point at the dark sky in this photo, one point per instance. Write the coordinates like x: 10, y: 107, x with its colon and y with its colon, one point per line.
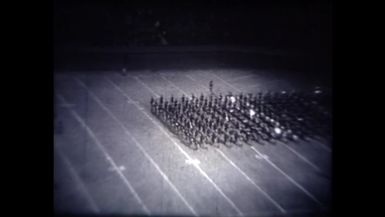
x: 299, y: 25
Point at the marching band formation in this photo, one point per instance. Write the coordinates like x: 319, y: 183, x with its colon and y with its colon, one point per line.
x: 244, y: 118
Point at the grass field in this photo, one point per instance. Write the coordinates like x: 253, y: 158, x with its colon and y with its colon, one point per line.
x: 112, y: 156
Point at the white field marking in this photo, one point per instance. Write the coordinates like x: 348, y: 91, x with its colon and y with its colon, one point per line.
x: 136, y: 142
x: 66, y: 105
x: 302, y: 157
x: 242, y: 77
x: 108, y: 157
x: 325, y: 147
x: 174, y: 85
x: 191, y: 78
x: 121, y: 168
x: 291, y: 179
x: 259, y: 157
x: 229, y: 85
x: 252, y: 182
x: 145, y: 85
x: 320, y: 144
x: 83, y: 188
x: 192, y: 162
x: 202, y: 172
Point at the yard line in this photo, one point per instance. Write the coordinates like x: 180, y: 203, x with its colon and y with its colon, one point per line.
x: 66, y: 105
x: 231, y: 86
x: 168, y: 81
x: 252, y: 182
x: 302, y: 157
x: 290, y: 179
x: 108, y: 157
x: 241, y: 77
x: 136, y: 142
x: 246, y: 176
x: 191, y: 78
x: 189, y: 158
x: 145, y: 85
x: 83, y: 188
x: 325, y: 147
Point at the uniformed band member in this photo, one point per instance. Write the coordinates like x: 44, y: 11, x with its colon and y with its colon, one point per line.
x: 211, y: 87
